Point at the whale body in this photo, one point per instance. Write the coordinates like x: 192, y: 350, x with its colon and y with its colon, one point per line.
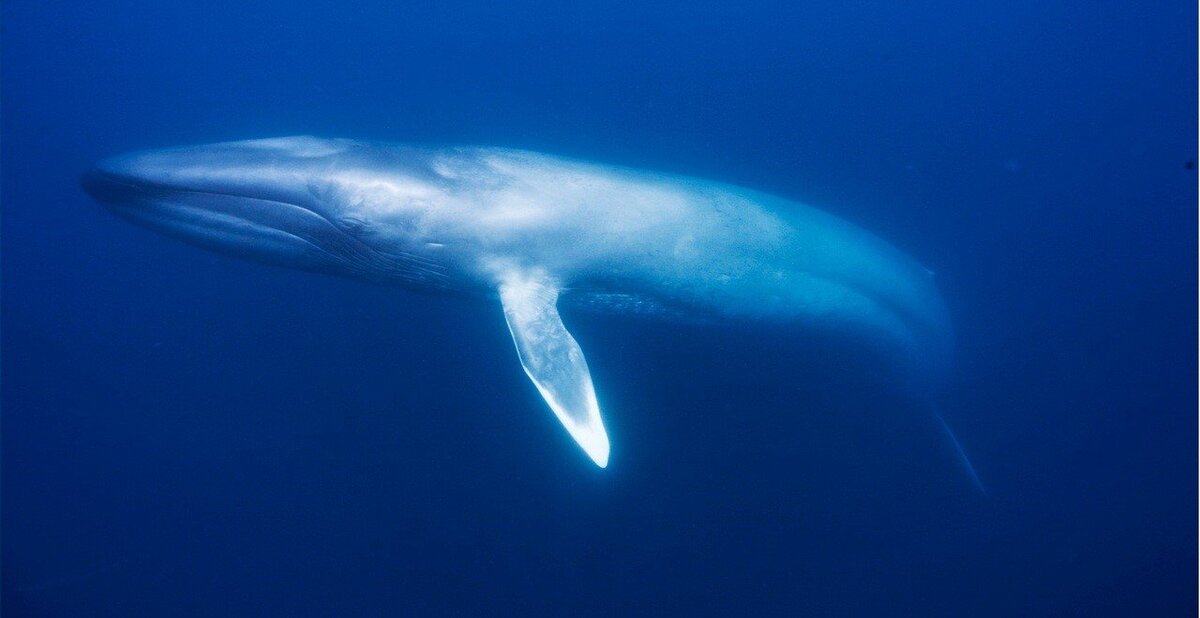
x: 533, y: 231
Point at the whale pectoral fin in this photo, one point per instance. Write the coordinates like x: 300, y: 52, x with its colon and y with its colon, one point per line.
x: 553, y: 360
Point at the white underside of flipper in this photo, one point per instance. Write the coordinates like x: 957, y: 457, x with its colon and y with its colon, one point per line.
x: 552, y: 358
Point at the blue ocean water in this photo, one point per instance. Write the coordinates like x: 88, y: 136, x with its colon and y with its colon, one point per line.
x: 188, y: 434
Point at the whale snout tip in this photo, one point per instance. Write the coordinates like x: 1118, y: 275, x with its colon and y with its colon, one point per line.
x: 101, y: 184
x: 113, y: 178
x: 127, y: 178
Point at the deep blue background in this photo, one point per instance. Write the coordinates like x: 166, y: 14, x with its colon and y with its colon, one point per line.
x: 186, y: 434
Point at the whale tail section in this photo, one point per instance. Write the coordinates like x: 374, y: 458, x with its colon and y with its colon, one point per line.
x: 963, y: 460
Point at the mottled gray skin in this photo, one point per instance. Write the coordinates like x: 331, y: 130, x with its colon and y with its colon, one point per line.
x: 458, y: 218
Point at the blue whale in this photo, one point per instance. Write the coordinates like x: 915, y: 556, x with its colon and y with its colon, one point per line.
x: 531, y: 231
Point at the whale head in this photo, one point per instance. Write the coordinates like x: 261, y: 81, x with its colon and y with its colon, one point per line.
x: 303, y: 202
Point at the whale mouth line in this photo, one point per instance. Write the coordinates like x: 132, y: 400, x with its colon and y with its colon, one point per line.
x: 116, y: 191
x: 209, y: 217
x: 196, y: 218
